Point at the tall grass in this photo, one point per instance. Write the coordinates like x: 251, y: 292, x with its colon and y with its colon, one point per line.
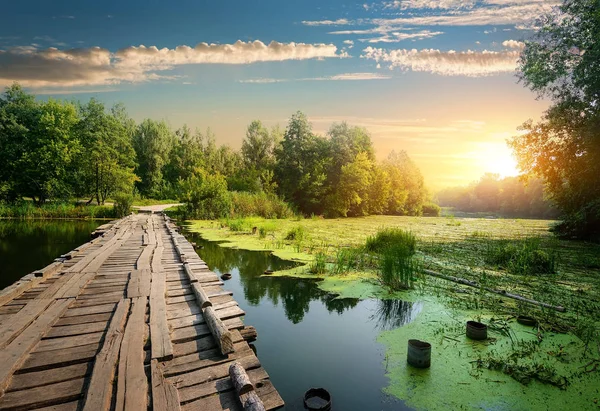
x: 319, y: 265
x: 297, y: 233
x: 521, y: 256
x: 388, y: 237
x: 27, y: 210
x: 259, y: 205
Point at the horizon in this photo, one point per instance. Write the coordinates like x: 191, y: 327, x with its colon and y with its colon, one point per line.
x: 436, y: 82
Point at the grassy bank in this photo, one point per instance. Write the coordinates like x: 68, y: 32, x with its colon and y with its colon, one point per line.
x: 27, y: 210
x: 554, y: 363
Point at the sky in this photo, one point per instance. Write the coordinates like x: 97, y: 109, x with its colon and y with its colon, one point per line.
x: 434, y: 78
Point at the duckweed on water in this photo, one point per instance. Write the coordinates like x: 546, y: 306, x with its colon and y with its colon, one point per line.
x: 559, y: 362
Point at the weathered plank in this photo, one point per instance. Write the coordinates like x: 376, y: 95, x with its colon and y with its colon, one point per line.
x: 161, y: 346
x: 139, y: 283
x: 164, y: 394
x: 132, y: 384
x: 46, y: 377
x: 43, y: 396
x: 13, y: 355
x: 15, y: 324
x: 99, y: 392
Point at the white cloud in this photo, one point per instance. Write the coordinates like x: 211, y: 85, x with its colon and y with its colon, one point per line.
x: 396, y: 37
x: 514, y: 44
x: 428, y: 4
x: 337, y: 77
x: 447, y: 63
x: 97, y: 66
x: 338, y: 22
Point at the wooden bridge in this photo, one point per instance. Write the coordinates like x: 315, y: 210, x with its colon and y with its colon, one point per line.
x: 132, y: 320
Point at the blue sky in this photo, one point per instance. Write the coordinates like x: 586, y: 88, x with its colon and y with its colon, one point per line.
x: 435, y: 78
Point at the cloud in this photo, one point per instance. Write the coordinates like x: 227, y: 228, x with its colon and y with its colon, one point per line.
x: 428, y: 4
x: 338, y: 22
x: 447, y: 63
x: 514, y: 44
x: 396, y: 37
x: 350, y: 43
x: 337, y: 77
x: 98, y: 66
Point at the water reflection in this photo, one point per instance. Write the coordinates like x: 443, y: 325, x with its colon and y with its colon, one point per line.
x: 27, y: 245
x: 391, y: 314
x: 294, y: 294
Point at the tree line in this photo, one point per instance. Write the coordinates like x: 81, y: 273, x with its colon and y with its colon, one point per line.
x: 58, y: 150
x: 509, y: 197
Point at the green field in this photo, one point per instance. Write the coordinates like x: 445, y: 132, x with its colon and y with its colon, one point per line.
x: 556, y: 362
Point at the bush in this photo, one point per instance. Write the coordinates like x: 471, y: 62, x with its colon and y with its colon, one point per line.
x: 388, y: 237
x: 520, y: 257
x: 297, y: 233
x: 431, y: 210
x: 205, y: 197
x: 122, y: 205
x: 260, y: 205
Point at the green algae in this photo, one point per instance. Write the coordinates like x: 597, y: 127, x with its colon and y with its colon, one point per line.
x: 455, y: 382
x: 464, y: 373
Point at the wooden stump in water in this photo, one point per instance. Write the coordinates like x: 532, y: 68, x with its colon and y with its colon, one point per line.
x: 249, y: 333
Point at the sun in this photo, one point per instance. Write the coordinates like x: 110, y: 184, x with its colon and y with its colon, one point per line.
x: 497, y: 158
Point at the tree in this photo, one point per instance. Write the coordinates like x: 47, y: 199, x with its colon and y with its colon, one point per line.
x: 152, y: 142
x: 562, y: 62
x: 258, y: 156
x: 302, y: 163
x: 106, y: 162
x: 407, y: 188
x: 37, y: 146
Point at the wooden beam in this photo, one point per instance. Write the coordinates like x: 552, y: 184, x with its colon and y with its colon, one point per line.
x: 164, y: 394
x: 99, y: 393
x: 160, y: 338
x: 219, y: 331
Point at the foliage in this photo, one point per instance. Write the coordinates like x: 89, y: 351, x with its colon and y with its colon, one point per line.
x: 397, y: 267
x: 319, y: 265
x: 391, y: 237
x: 296, y: 233
x: 260, y: 204
x: 521, y: 256
x: 431, y: 210
x: 510, y: 196
x: 122, y: 204
x: 205, y: 196
x: 27, y: 210
x: 561, y: 63
x: 152, y: 142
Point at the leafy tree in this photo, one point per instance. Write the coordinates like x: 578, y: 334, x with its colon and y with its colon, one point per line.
x: 407, y: 188
x: 106, y: 163
x: 302, y: 163
x: 152, y: 142
x: 562, y: 62
x: 258, y: 155
x: 37, y: 146
x: 351, y: 194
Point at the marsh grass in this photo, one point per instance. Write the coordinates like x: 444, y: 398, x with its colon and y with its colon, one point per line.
x: 319, y: 265
x: 349, y: 259
x: 27, y: 210
x: 524, y: 256
x: 391, y: 237
x: 297, y: 233
x: 397, y: 268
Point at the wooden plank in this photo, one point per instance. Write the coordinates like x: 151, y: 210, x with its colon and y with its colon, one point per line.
x: 38, y: 361
x: 96, y: 309
x: 164, y: 394
x: 161, y: 346
x: 69, y: 342
x: 139, y: 284
x: 76, y: 329
x: 99, y: 393
x: 205, y: 343
x: 15, y: 324
x: 204, y: 359
x: 74, y: 285
x: 43, y: 396
x: 15, y: 353
x: 46, y: 377
x: 199, y: 330
x: 143, y: 262
x: 83, y: 319
x: 132, y: 384
x: 18, y: 288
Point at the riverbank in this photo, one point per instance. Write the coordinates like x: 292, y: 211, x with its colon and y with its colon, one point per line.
x: 518, y: 365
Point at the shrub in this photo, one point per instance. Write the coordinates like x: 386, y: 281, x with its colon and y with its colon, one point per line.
x: 388, y: 237
x: 264, y: 205
x: 297, y: 233
x: 122, y: 204
x: 521, y: 257
x: 205, y: 197
x: 431, y: 210
x: 238, y: 224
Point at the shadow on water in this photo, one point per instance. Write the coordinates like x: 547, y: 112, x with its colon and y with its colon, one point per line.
x: 28, y: 245
x: 307, y: 337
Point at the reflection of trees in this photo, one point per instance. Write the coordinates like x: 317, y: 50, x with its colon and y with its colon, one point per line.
x: 31, y: 244
x: 394, y: 313
x: 294, y: 294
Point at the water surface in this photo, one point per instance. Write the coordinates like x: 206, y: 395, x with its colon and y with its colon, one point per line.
x: 307, y: 337
x: 28, y: 245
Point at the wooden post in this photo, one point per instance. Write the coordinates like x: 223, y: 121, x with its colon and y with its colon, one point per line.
x: 240, y: 379
x: 219, y: 331
x: 201, y: 296
x: 252, y: 402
